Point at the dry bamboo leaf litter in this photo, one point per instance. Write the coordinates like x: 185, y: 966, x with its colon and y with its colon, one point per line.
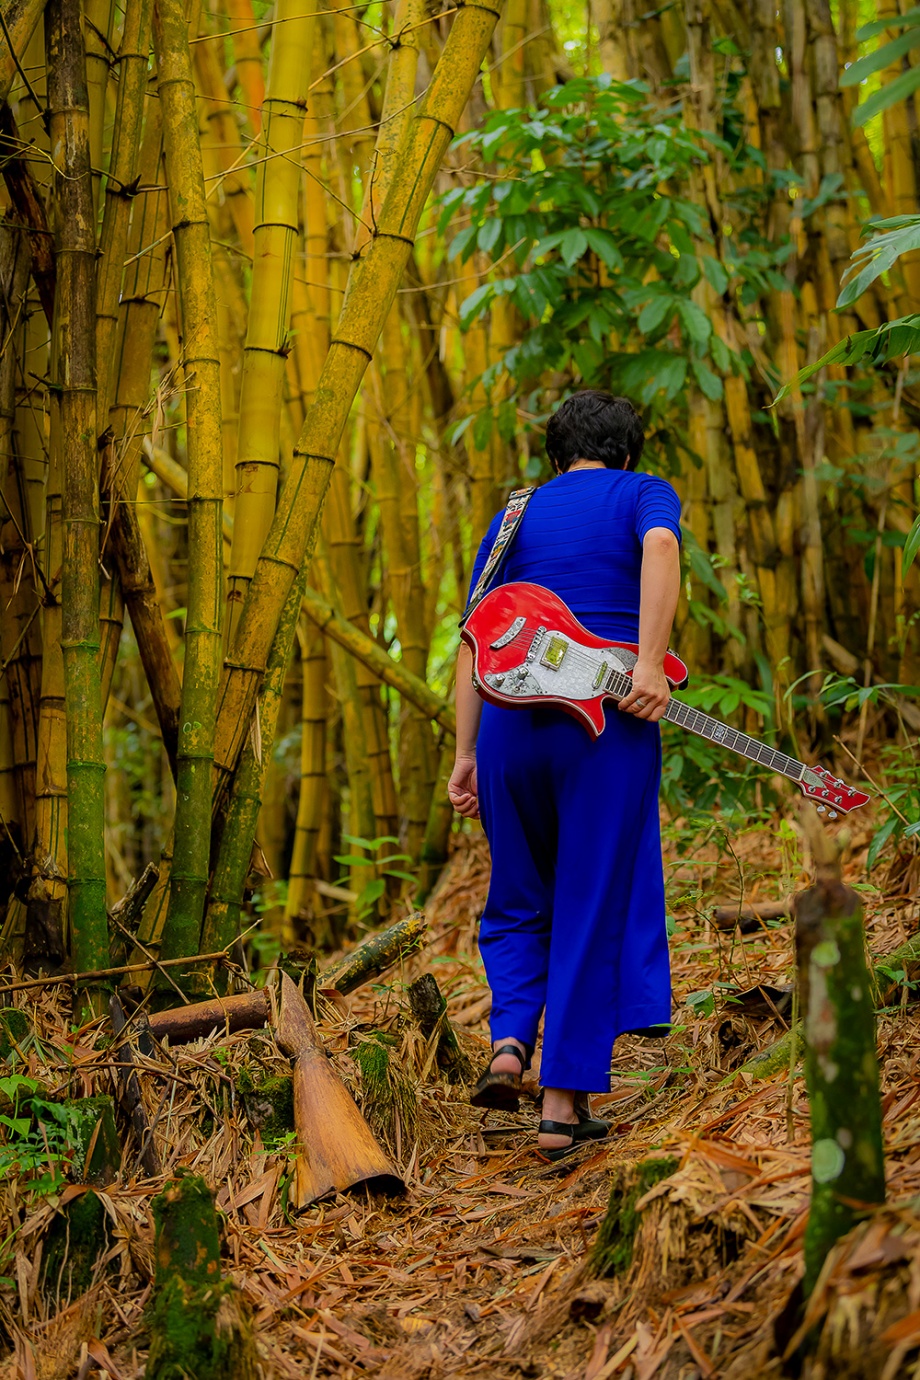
x: 482, y: 1270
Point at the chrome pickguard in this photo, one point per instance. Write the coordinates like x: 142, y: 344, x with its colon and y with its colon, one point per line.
x: 555, y: 665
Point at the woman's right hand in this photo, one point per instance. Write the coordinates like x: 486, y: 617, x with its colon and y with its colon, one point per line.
x: 462, y: 788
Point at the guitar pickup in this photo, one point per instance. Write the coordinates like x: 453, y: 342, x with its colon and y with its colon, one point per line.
x: 508, y: 636
x: 554, y: 655
x: 601, y: 675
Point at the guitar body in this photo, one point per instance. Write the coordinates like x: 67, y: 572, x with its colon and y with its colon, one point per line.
x: 529, y: 648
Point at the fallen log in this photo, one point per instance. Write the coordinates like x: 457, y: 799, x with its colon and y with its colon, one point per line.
x: 199, y: 1323
x: 750, y: 918
x: 374, y: 955
x: 336, y: 1148
x: 429, y: 1011
x: 181, y: 1024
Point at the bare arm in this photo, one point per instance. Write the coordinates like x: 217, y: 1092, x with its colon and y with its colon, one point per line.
x: 658, y: 597
x: 462, y: 788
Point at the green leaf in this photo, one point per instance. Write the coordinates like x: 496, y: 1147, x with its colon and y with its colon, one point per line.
x: 887, y: 96
x: 883, y: 57
x: 879, y: 26
x: 710, y: 383
x: 604, y: 246
x: 482, y: 430
x: 699, y: 327
x: 352, y: 860
x: 490, y: 232
x: 877, y: 256
x: 574, y: 245
x: 878, y: 842
x: 888, y: 341
x: 471, y: 306
x: 911, y: 548
x: 654, y: 312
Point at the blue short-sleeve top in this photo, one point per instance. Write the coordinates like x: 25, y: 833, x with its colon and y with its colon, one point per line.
x: 582, y: 536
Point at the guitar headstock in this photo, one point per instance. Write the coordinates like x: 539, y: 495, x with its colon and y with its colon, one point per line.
x: 830, y: 793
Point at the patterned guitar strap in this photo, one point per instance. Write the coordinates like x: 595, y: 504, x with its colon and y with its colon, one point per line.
x: 517, y: 505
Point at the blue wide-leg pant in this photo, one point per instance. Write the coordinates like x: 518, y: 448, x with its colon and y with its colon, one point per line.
x: 574, y: 923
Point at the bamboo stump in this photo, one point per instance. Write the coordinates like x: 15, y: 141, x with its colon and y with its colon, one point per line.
x: 429, y: 1011
x: 198, y: 1325
x: 841, y: 1068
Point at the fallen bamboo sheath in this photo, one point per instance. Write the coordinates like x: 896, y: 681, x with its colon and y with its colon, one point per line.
x: 377, y: 953
x: 182, y: 1024
x: 336, y: 1148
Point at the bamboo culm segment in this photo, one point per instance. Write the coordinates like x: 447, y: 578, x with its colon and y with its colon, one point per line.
x: 21, y: 20
x: 191, y: 238
x: 841, y: 1067
x: 239, y: 827
x: 373, y: 286
x: 75, y: 387
x: 275, y: 243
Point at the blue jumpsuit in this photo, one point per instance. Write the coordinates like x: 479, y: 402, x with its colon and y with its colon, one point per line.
x: 574, y: 923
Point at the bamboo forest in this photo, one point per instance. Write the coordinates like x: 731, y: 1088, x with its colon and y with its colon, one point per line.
x: 290, y: 293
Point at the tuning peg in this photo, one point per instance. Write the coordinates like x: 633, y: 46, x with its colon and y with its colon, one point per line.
x: 820, y: 809
x: 832, y: 814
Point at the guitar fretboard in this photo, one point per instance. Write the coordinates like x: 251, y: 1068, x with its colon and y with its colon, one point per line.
x: 706, y: 726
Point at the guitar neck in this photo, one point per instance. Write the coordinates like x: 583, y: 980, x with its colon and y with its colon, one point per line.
x: 706, y: 726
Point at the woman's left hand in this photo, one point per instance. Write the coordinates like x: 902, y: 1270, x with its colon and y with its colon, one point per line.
x: 462, y: 788
x: 650, y: 692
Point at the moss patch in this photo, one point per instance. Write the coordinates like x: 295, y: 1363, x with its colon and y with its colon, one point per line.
x: 613, y: 1249
x: 14, y: 1027
x: 77, y: 1240
x: 269, y: 1104
x: 199, y: 1333
x: 388, y: 1097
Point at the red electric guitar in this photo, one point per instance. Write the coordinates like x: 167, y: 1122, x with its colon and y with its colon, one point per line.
x: 528, y: 648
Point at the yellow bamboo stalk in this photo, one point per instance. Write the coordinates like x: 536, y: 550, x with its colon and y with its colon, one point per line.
x: 191, y: 238
x: 275, y: 240
x: 372, y: 288
x: 98, y: 17
x: 20, y: 19
x: 231, y: 181
x: 247, y: 54
x: 899, y: 170
x: 508, y: 71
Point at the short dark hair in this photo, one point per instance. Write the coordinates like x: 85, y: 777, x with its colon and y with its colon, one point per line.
x: 594, y: 425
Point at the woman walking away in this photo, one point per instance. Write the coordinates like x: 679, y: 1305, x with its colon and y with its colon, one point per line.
x: 574, y: 924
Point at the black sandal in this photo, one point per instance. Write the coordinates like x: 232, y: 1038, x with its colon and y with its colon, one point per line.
x: 587, y: 1128
x: 500, y: 1091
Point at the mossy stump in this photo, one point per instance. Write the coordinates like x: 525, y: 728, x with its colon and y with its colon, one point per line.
x: 269, y: 1104
x: 841, y: 1066
x: 612, y: 1252
x: 199, y: 1328
x: 93, y: 1141
x: 388, y: 1098
x: 14, y: 1027
x: 77, y: 1241
x: 669, y: 1225
x: 429, y: 1011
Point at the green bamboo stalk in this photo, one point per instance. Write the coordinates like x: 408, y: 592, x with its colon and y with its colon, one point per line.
x: 239, y: 826
x: 841, y: 1067
x: 133, y: 62
x: 191, y: 238
x: 372, y: 289
x: 75, y: 399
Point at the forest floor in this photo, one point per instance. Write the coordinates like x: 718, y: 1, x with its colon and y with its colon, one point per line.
x: 483, y: 1268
